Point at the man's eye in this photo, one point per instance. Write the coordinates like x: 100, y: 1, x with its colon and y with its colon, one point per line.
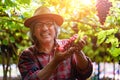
x: 49, y: 24
x: 38, y: 26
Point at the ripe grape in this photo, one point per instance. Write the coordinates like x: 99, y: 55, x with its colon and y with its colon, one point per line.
x: 70, y: 43
x: 67, y: 44
x: 103, y: 7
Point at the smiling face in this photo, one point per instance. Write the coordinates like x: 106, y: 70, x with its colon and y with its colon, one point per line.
x: 44, y: 31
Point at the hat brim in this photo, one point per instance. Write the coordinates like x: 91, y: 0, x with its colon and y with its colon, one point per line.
x: 57, y: 18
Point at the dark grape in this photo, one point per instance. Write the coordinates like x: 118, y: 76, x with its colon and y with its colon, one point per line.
x: 103, y: 7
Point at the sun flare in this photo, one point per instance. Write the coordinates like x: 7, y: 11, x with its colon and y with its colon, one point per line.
x: 80, y: 3
x: 86, y: 2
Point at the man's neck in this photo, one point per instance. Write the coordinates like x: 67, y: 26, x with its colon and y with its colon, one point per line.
x: 46, y: 48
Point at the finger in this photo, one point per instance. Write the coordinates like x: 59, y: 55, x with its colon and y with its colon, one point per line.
x: 85, y: 37
x: 80, y: 45
x: 69, y: 51
x: 82, y: 41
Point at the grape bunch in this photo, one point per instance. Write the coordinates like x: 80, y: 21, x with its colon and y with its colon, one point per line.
x: 103, y: 7
x: 67, y: 44
x: 71, y: 42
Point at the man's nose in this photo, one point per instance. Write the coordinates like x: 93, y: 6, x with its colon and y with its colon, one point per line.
x: 45, y: 27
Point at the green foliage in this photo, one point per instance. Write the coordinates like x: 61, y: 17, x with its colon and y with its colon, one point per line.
x: 107, y: 35
x: 24, y: 1
x: 12, y: 30
x: 101, y: 41
x: 13, y: 35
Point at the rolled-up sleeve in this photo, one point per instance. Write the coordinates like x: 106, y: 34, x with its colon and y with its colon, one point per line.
x: 27, y: 67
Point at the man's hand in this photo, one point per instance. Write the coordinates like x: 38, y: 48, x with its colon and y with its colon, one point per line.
x: 80, y: 44
x: 61, y: 56
x: 61, y: 53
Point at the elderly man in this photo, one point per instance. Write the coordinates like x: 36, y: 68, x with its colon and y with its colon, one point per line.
x: 43, y: 60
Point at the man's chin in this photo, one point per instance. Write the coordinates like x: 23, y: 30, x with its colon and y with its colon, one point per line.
x: 46, y: 40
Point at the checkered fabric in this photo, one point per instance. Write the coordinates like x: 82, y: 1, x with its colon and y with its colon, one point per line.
x: 31, y: 61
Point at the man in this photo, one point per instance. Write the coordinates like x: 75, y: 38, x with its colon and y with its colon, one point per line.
x: 43, y: 60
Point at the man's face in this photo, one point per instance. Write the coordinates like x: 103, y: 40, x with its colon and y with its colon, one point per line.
x: 44, y: 30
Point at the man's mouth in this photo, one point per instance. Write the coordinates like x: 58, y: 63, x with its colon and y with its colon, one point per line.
x: 45, y: 34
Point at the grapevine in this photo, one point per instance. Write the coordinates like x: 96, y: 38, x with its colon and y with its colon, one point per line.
x: 103, y: 7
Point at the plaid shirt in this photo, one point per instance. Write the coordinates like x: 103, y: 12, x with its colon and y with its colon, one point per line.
x: 31, y: 61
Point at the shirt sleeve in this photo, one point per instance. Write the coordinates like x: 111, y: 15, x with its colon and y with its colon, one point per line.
x: 82, y: 74
x: 27, y: 66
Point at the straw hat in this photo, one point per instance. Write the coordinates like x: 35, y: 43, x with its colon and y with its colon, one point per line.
x: 43, y: 12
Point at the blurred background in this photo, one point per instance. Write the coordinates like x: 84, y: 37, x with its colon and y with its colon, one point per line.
x: 98, y: 19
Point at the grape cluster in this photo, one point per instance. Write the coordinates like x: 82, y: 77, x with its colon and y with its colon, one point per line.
x: 71, y: 42
x: 67, y: 44
x: 103, y: 7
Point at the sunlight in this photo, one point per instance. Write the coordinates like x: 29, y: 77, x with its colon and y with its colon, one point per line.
x: 85, y: 2
x: 78, y: 3
x: 81, y: 6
